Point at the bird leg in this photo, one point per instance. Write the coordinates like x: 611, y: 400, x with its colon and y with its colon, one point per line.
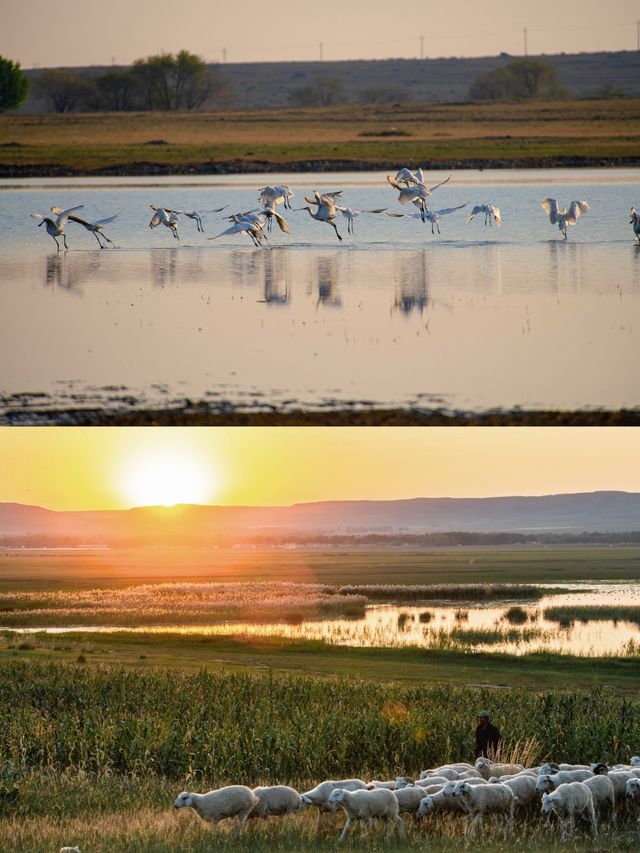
x: 333, y: 225
x: 64, y: 240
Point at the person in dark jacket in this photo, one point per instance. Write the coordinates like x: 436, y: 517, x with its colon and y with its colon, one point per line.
x: 488, y: 737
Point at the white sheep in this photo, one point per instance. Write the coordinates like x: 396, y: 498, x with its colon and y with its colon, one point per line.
x: 568, y: 801
x: 604, y: 798
x: 390, y: 784
x: 523, y: 787
x: 632, y: 794
x: 276, y: 800
x: 635, y: 761
x: 319, y: 796
x: 458, y: 766
x: 231, y: 801
x: 548, y: 782
x: 450, y: 786
x: 432, y: 780
x: 448, y: 772
x: 69, y: 850
x: 380, y: 803
x: 438, y: 802
x: 409, y: 799
x: 553, y: 767
x: 478, y: 800
x: 487, y: 768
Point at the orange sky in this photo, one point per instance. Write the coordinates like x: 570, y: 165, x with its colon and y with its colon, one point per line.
x: 113, y: 467
x: 39, y: 32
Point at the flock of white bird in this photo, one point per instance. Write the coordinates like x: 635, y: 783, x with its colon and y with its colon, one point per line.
x: 325, y: 207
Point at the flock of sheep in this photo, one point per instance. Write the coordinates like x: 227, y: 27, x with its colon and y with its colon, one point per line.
x: 570, y: 792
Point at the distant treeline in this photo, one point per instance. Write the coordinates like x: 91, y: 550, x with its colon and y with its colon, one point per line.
x: 284, y: 539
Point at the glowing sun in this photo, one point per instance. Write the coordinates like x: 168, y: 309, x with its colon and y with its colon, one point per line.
x: 166, y: 478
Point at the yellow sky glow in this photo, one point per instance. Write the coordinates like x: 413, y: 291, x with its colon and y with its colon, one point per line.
x: 113, y: 467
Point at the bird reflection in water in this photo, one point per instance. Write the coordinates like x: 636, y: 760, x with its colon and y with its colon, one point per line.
x: 164, y: 267
x: 275, y: 277
x: 328, y: 278
x: 412, y: 282
x: 69, y: 272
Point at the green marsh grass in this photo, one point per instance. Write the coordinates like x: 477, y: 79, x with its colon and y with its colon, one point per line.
x: 593, y: 613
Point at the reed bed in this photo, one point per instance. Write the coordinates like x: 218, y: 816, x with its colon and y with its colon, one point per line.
x: 593, y: 613
x: 445, y: 591
x: 178, y: 603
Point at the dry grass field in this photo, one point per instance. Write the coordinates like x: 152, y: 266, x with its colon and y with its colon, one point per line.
x: 532, y: 134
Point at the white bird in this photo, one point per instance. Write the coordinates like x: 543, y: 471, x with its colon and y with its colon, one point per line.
x: 326, y: 212
x: 489, y: 210
x: 433, y: 216
x: 417, y: 193
x: 269, y: 210
x: 196, y: 215
x: 165, y: 217
x: 277, y: 195
x: 407, y: 177
x: 350, y: 214
x: 246, y: 223
x: 94, y: 227
x: 563, y: 217
x: 635, y: 223
x: 55, y: 227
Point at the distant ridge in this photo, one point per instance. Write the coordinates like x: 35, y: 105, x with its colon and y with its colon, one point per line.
x: 602, y: 511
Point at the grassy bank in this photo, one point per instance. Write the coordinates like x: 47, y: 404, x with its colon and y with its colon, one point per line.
x: 250, y: 654
x: 24, y: 570
x: 348, y: 137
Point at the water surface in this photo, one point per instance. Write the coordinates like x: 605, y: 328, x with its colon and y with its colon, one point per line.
x: 473, y: 319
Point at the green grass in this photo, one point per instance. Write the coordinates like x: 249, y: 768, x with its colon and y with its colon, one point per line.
x: 379, y: 136
x: 408, y: 665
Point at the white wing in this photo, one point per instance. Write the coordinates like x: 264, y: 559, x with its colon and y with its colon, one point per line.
x: 39, y: 216
x: 435, y: 186
x: 550, y: 207
x: 107, y: 220
x: 575, y: 209
x: 445, y: 211
x: 62, y: 217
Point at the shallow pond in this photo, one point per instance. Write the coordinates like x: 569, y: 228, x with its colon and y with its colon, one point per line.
x: 512, y: 627
x: 475, y: 318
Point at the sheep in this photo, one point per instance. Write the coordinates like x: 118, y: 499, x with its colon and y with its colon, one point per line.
x: 438, y: 802
x: 458, y: 767
x: 523, y: 788
x: 357, y: 805
x: 448, y: 772
x: 530, y: 774
x: 319, y: 796
x: 632, y: 794
x: 635, y: 761
x: 470, y: 774
x: 232, y: 801
x: 405, y: 781
x: 276, y: 800
x: 487, y: 768
x: 69, y: 850
x: 449, y: 787
x: 603, y: 794
x: 376, y: 783
x: 478, y: 800
x: 553, y: 767
x: 548, y: 782
x: 409, y: 799
x: 568, y: 801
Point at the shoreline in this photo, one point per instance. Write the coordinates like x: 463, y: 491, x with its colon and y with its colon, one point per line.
x: 205, y: 415
x: 240, y: 166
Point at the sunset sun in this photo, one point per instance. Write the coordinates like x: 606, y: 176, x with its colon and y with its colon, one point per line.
x: 167, y: 478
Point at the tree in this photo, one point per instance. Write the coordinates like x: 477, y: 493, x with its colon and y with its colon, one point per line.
x: 66, y: 91
x: 520, y: 79
x: 14, y: 86
x: 324, y: 92
x: 116, y: 91
x: 169, y: 82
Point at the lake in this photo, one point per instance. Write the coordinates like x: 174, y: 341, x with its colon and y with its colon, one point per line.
x: 474, y: 319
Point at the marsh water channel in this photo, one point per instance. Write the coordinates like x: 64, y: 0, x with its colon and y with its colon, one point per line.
x: 514, y: 627
x: 473, y: 319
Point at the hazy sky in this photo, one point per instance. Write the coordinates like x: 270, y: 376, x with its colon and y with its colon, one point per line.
x: 118, y: 467
x: 39, y: 32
